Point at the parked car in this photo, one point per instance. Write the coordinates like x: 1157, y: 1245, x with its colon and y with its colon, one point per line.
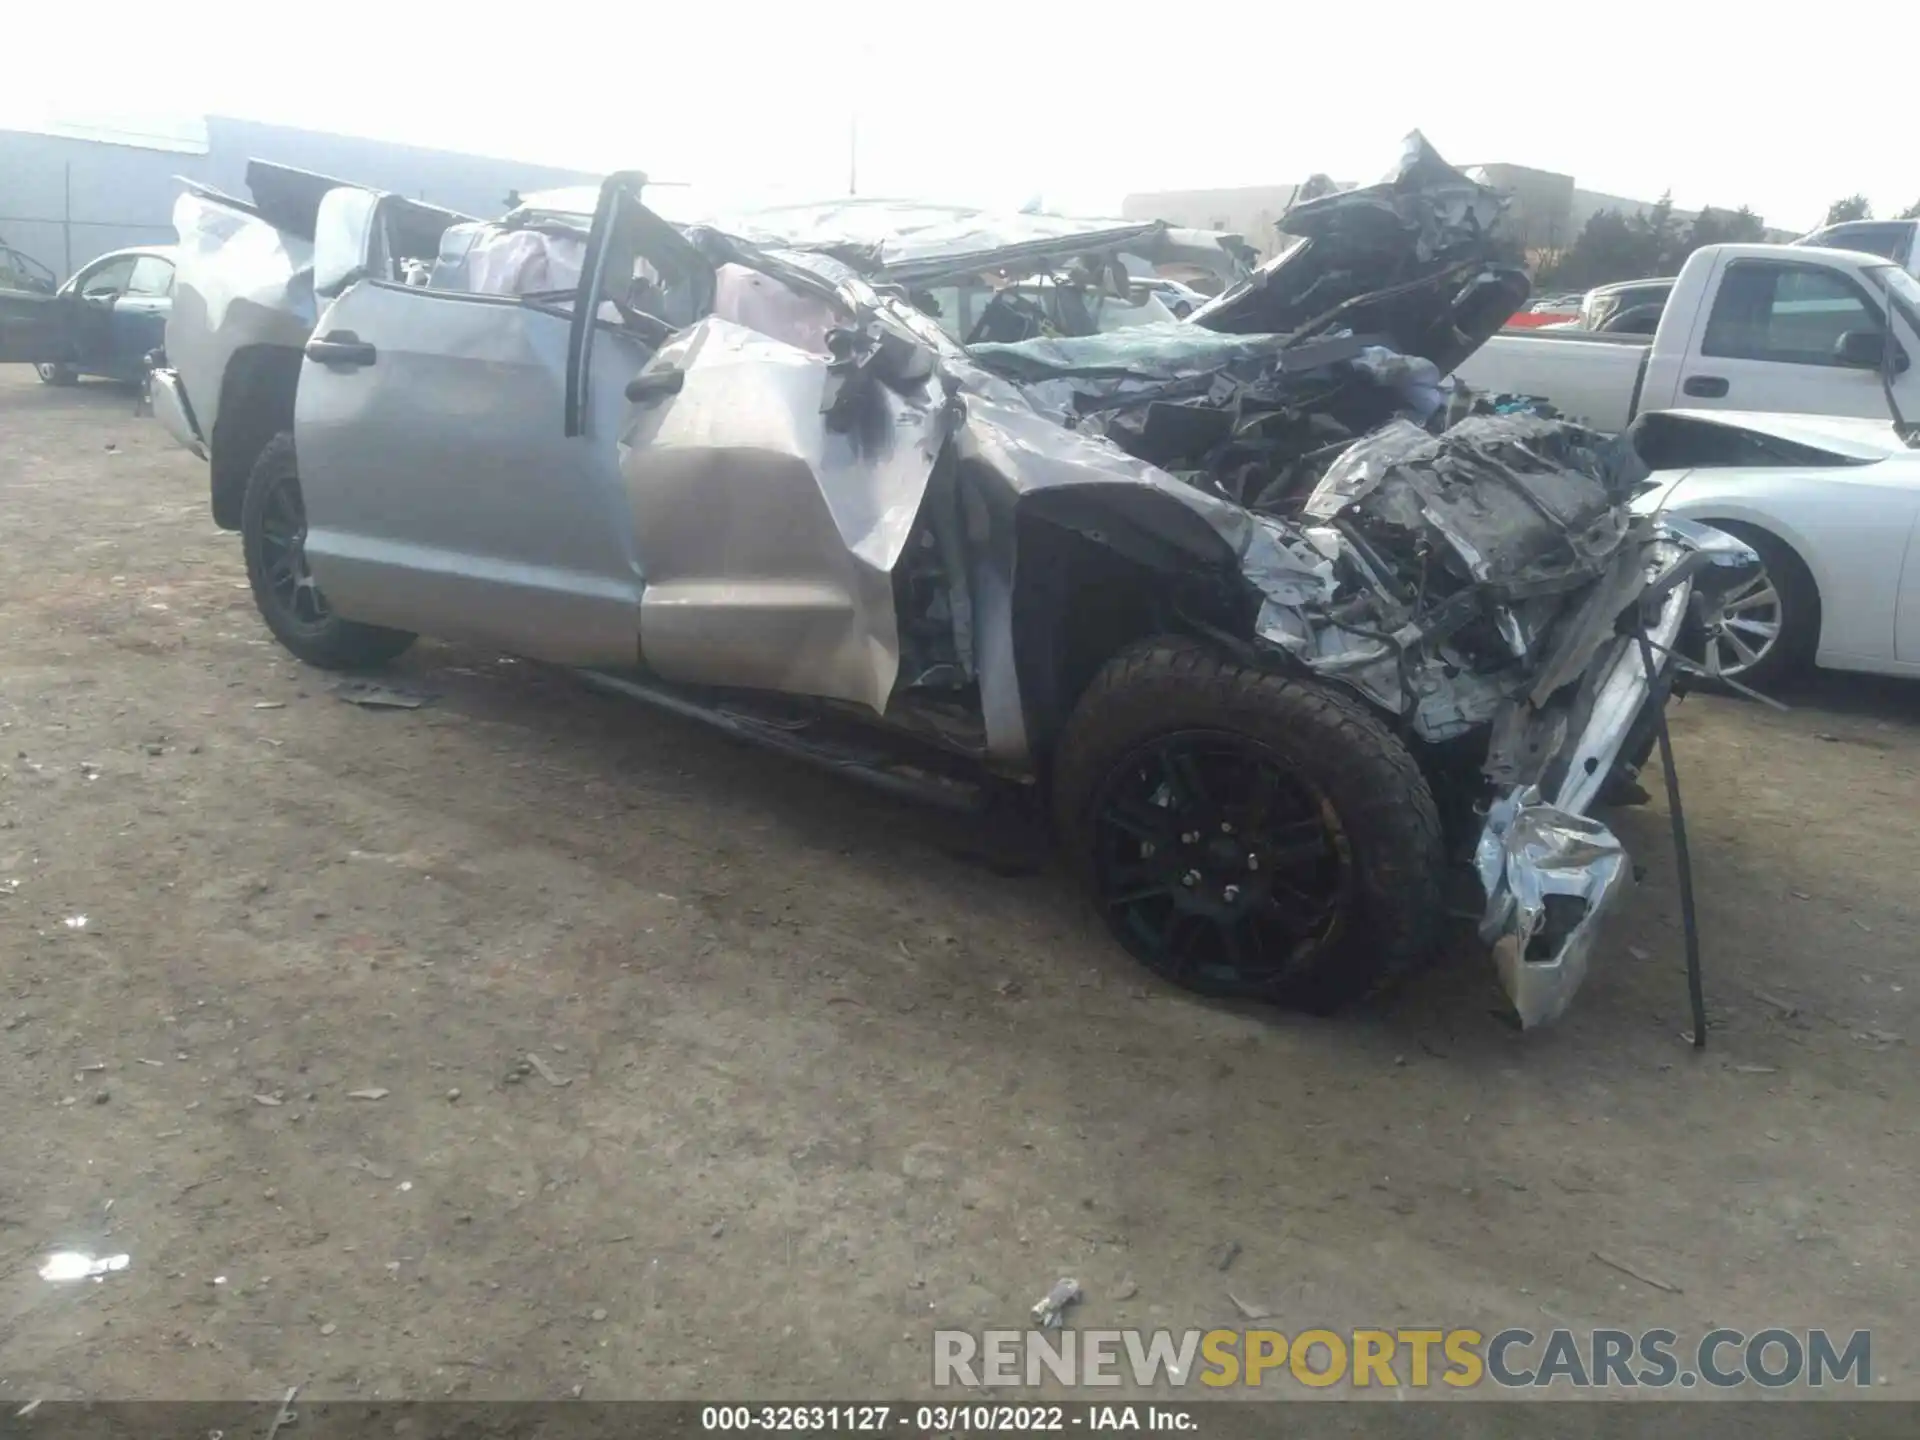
x: 1554, y: 310
x: 1895, y: 240
x: 1180, y: 300
x: 1832, y: 507
x: 1627, y: 307
x: 1275, y: 651
x: 103, y: 321
x: 1747, y: 327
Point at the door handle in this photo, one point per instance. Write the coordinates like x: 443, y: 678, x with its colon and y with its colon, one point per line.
x: 341, y: 347
x: 1707, y: 387
x: 656, y: 384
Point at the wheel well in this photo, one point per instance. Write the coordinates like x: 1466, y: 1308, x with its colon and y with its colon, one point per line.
x: 1078, y: 603
x: 256, y: 403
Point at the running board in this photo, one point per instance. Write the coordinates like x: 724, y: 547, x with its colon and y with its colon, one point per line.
x: 869, y: 765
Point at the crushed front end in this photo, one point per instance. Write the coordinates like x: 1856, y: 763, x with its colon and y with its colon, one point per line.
x: 1492, y: 588
x: 1482, y: 580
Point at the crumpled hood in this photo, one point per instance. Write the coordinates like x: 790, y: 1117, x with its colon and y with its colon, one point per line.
x: 1411, y: 260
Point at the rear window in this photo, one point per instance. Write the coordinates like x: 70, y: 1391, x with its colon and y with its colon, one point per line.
x: 1887, y: 239
x: 151, y: 276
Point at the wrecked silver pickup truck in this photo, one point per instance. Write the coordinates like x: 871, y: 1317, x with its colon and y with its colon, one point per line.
x: 1277, y: 647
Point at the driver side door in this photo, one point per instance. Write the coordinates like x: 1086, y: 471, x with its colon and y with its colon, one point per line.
x: 459, y: 460
x: 37, y: 329
x: 1771, y: 342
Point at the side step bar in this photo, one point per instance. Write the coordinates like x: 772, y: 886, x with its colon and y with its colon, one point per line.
x: 870, y: 765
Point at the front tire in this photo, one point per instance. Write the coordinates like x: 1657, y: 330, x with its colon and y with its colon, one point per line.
x: 1247, y: 833
x: 57, y: 374
x: 1767, y: 631
x: 273, y: 535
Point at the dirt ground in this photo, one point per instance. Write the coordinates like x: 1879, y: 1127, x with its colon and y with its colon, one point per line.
x: 817, y: 1072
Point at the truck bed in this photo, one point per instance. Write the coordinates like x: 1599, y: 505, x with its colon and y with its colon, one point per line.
x: 1592, y: 376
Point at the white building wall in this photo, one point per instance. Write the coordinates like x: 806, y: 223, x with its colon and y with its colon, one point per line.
x: 65, y: 198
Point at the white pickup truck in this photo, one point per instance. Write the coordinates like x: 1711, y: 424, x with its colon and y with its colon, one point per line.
x: 1748, y: 327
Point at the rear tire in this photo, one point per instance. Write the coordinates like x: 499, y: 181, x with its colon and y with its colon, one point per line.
x: 1246, y: 833
x: 57, y: 374
x: 273, y: 534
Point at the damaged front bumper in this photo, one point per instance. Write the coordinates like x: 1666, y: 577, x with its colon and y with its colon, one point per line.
x: 1496, y: 580
x: 1550, y: 870
x: 170, y: 409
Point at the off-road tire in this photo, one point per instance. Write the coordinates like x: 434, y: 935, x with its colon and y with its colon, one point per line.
x: 1792, y: 654
x: 328, y: 642
x: 1393, y: 917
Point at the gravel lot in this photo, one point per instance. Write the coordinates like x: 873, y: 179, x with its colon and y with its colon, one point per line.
x: 817, y: 1072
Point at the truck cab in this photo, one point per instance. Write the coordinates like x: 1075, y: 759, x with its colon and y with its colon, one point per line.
x: 1747, y: 327
x: 1764, y: 327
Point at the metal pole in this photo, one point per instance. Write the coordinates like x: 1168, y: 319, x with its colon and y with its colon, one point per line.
x: 66, y: 218
x: 853, y: 153
x: 1657, y: 689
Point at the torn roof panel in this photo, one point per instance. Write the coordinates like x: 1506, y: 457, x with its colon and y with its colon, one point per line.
x: 916, y: 241
x: 1413, y: 258
x: 909, y: 240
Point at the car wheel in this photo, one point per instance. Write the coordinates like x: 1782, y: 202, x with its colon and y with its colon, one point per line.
x: 1768, y: 629
x: 56, y: 374
x: 1248, y: 833
x: 273, y: 534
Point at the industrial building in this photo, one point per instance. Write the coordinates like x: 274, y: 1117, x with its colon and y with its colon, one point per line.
x: 71, y: 191
x: 1547, y: 210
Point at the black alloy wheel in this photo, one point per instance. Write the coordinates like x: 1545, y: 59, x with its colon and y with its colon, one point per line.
x: 273, y: 535
x: 1219, y: 865
x: 283, y: 554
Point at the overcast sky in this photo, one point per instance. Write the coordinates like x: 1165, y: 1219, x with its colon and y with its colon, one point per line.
x: 994, y: 103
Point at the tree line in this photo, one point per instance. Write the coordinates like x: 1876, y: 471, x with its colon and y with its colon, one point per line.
x: 1655, y: 242
x: 1855, y: 207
